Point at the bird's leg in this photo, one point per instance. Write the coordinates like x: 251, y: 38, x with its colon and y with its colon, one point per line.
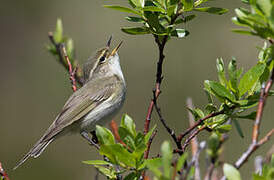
x: 85, y: 135
x: 94, y: 137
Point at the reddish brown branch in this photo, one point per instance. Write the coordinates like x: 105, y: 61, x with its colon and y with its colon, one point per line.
x: 199, y: 122
x: 149, y: 144
x: 57, y: 46
x: 71, y: 71
x: 3, y: 173
x: 193, y: 135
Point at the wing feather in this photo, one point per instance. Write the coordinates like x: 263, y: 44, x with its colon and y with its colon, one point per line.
x: 80, y: 103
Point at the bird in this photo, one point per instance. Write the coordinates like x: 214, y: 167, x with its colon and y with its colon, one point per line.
x: 95, y: 103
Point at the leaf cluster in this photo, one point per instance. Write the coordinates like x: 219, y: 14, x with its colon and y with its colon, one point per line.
x: 162, y: 17
x: 129, y: 156
x: 259, y: 20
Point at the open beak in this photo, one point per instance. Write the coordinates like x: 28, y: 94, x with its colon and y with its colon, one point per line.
x: 116, y: 49
x: 109, y: 41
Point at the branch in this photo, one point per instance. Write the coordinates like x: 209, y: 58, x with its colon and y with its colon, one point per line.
x: 161, y: 45
x: 78, y: 77
x: 149, y: 144
x: 71, y: 72
x: 252, y: 148
x: 193, y: 135
x: 199, y: 122
x: 169, y: 130
x: 3, y: 173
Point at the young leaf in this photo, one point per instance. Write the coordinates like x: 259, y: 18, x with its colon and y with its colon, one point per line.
x: 250, y: 78
x: 123, y: 9
x: 212, y: 10
x: 231, y: 173
x: 96, y: 162
x: 223, y: 128
x: 148, y: 135
x: 128, y: 124
x: 167, y: 157
x: 58, y: 34
x: 153, y: 165
x: 232, y: 73
x: 110, y: 173
x: 136, y: 30
x: 104, y: 135
x: 154, y: 9
x: 117, y: 153
x: 135, y: 19
x: 188, y: 5
x: 181, y: 162
x: 221, y: 71
x: 220, y: 90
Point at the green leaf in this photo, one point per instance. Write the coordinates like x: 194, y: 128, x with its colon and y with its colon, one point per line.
x: 128, y: 124
x: 245, y: 32
x: 265, y: 6
x: 136, y: 30
x: 118, y: 153
x: 224, y: 128
x: 231, y: 173
x: 104, y: 135
x: 96, y: 162
x: 153, y: 165
x: 123, y: 9
x: 221, y: 71
x: 250, y: 78
x: 212, y: 10
x: 199, y: 2
x: 127, y: 137
x: 58, y: 34
x: 188, y: 5
x: 232, y: 73
x: 180, y: 33
x: 110, y: 173
x: 154, y: 9
x: 220, y: 90
x: 167, y: 157
x: 138, y: 3
x: 181, y: 162
x: 148, y: 135
x: 70, y: 49
x: 135, y: 19
x: 238, y: 128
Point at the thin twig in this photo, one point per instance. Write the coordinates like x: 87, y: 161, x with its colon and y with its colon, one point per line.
x: 149, y: 144
x: 169, y: 130
x: 71, y: 71
x: 251, y: 149
x: 78, y: 77
x: 193, y: 135
x: 148, y: 150
x: 200, y: 121
x: 3, y: 173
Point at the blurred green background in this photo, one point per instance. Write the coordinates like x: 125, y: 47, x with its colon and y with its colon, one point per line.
x: 34, y: 86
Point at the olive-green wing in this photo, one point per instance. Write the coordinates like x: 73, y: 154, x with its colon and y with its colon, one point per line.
x: 81, y: 102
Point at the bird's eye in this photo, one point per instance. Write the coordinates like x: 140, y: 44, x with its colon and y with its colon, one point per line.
x: 102, y: 59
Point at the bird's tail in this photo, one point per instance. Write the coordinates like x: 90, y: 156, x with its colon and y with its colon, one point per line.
x: 37, y: 149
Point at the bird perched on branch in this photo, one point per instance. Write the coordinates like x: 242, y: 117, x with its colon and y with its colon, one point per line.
x: 95, y: 103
